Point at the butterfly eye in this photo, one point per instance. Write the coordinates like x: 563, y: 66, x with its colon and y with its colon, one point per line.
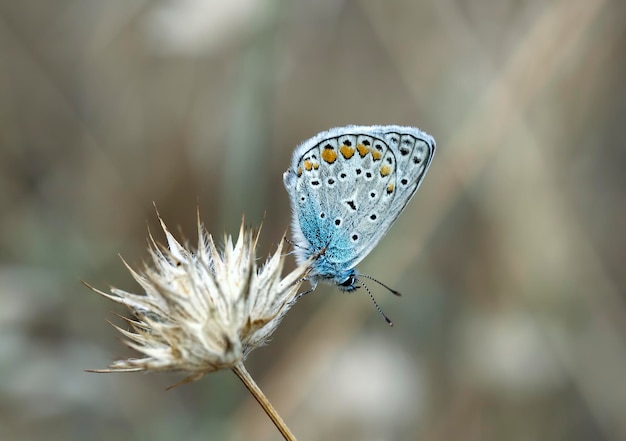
x: 348, y: 282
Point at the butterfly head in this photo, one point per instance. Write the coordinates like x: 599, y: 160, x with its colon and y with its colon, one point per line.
x: 347, y: 281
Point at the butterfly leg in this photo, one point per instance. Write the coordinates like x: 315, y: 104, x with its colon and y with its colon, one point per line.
x: 302, y: 294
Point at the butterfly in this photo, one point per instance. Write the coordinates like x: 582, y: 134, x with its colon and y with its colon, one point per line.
x: 347, y: 186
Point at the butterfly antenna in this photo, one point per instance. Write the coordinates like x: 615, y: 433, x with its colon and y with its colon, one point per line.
x: 378, y: 308
x: 392, y: 291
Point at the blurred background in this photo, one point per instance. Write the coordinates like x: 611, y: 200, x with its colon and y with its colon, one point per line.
x: 512, y: 324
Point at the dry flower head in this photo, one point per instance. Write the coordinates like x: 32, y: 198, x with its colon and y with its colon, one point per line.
x: 203, y: 309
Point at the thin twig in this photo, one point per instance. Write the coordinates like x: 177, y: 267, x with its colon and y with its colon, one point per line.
x: 240, y: 370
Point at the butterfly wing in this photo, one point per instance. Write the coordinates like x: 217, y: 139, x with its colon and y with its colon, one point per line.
x: 348, y: 185
x: 409, y: 152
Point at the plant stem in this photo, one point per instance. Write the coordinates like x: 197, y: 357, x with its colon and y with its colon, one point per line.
x: 240, y: 370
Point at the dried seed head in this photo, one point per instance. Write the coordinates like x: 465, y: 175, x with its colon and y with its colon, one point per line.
x: 206, y: 309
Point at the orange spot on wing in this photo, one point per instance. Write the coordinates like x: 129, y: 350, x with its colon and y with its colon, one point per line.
x: 329, y: 155
x: 308, y: 165
x: 390, y: 188
x: 376, y: 155
x: 316, y: 166
x: 346, y: 151
x: 362, y: 150
x: 385, y: 170
x: 299, y: 171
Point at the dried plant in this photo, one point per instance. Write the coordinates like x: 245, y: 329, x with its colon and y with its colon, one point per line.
x: 205, y: 309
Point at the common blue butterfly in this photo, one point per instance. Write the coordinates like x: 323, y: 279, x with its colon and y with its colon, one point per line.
x: 347, y: 186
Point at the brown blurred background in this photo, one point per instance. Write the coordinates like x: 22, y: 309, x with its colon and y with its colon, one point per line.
x: 510, y: 257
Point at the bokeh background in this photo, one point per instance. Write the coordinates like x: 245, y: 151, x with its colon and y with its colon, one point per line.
x: 512, y: 324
